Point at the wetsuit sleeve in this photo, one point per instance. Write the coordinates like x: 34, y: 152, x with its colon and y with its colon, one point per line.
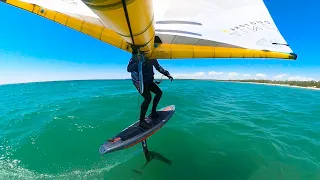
x: 132, y: 66
x: 160, y: 69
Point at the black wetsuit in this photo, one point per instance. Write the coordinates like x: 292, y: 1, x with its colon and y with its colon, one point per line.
x: 149, y: 85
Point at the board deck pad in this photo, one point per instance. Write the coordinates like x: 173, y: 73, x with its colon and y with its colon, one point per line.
x: 135, y: 134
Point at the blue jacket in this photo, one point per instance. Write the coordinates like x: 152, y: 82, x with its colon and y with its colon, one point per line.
x: 147, y: 70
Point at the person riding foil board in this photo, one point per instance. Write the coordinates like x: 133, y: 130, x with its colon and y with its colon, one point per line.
x: 149, y: 85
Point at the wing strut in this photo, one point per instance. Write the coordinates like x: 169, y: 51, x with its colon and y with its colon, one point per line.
x: 124, y: 5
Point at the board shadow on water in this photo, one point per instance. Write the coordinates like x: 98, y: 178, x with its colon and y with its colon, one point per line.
x: 228, y: 166
x: 192, y: 160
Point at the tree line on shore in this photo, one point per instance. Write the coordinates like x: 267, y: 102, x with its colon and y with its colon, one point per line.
x: 286, y: 82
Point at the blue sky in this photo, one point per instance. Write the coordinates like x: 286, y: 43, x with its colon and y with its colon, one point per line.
x: 36, y: 49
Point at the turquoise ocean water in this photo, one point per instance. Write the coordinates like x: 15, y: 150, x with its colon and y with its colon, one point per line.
x: 220, y: 130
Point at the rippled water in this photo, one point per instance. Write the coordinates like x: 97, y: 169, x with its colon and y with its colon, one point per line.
x: 220, y: 130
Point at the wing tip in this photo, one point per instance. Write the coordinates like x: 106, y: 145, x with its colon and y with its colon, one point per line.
x: 293, y: 56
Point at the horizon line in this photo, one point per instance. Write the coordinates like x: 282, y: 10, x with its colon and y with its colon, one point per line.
x: 229, y: 80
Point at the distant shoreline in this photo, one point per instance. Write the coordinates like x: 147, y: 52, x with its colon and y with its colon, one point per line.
x: 274, y: 84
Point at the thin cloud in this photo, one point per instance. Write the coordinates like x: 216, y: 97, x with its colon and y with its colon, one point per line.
x: 233, y: 74
x: 247, y: 75
x: 280, y: 76
x: 179, y: 75
x: 199, y: 74
x: 189, y: 76
x: 212, y: 73
x: 260, y: 75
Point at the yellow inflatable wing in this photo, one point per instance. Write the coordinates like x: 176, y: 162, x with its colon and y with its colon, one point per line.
x: 89, y: 25
x: 172, y: 29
